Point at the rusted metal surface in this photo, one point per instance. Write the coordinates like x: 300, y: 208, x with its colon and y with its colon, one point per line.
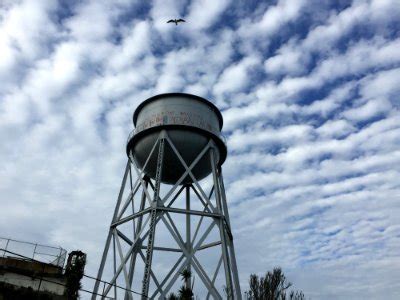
x: 190, y: 122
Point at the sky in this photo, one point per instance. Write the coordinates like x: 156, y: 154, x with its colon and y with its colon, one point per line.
x: 309, y: 93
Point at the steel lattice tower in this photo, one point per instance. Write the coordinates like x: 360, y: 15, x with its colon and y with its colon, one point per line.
x: 175, y: 155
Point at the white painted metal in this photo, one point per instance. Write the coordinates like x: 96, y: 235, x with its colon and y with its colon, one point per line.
x: 154, y: 209
x: 190, y: 121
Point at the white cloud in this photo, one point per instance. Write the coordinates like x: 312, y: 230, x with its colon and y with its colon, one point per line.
x: 268, y: 137
x: 335, y: 129
x: 372, y: 108
x: 204, y: 13
x: 235, y: 77
x: 382, y: 84
x: 135, y: 44
x: 275, y: 17
x: 332, y: 102
x: 90, y: 13
x: 162, y: 11
x: 28, y: 28
x: 288, y: 61
x: 26, y: 32
x: 359, y: 58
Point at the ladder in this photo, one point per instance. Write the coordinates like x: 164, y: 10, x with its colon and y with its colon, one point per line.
x: 153, y: 219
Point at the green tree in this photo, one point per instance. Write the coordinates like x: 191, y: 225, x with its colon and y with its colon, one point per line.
x: 74, y: 272
x: 298, y: 295
x: 185, y: 292
x: 172, y: 296
x: 273, y: 286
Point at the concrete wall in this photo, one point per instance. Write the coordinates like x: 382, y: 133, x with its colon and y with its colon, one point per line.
x: 38, y: 276
x: 56, y: 286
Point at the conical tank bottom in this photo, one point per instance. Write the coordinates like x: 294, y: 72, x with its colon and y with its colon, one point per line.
x: 188, y: 143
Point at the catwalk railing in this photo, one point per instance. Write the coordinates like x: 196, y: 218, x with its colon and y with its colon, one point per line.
x: 47, y: 254
x: 135, y: 131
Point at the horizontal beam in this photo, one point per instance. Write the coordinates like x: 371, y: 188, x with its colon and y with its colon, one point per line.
x: 209, y: 245
x: 131, y: 217
x: 190, y: 212
x: 129, y: 242
x: 163, y: 249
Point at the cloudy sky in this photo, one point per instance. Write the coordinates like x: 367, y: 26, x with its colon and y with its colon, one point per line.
x: 309, y: 92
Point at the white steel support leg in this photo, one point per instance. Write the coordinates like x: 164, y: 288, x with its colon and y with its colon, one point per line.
x: 125, y: 259
x: 114, y: 265
x: 136, y: 232
x: 225, y: 254
x: 153, y: 219
x: 235, y: 272
x: 107, y: 246
x: 188, y: 236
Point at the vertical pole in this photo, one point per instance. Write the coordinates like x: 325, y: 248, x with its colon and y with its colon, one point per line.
x: 153, y: 218
x: 59, y: 259
x: 108, y: 241
x: 5, y: 250
x: 128, y: 295
x: 115, y: 266
x: 133, y: 199
x: 34, y: 251
x: 230, y: 244
x: 222, y: 230
x: 41, y: 278
x: 104, y: 286
x: 136, y: 233
x: 188, y: 235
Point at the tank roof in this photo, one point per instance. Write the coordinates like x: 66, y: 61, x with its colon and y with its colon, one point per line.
x: 198, y: 98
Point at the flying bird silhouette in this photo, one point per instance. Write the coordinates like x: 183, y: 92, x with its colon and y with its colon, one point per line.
x: 176, y: 21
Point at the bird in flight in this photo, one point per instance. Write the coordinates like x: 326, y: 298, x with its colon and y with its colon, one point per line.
x: 176, y: 21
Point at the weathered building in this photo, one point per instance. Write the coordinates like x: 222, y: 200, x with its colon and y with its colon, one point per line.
x: 33, y: 271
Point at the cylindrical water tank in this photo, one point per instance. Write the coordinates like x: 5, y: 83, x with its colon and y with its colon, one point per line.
x: 190, y: 122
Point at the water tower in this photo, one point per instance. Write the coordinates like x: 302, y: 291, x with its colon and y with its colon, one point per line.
x: 172, y: 202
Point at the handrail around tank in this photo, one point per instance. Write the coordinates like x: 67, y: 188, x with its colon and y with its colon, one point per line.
x: 134, y: 131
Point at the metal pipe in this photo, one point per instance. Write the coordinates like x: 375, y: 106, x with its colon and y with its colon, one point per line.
x: 188, y: 279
